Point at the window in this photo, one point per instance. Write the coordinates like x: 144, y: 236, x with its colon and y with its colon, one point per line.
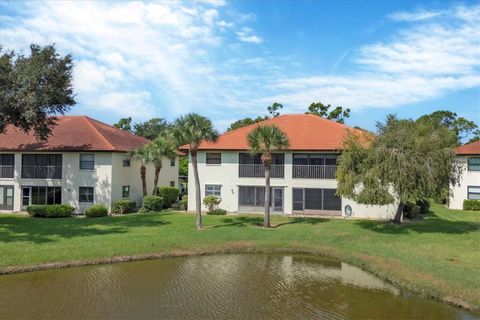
x: 6, y: 197
x: 125, y: 191
x: 474, y: 164
x: 126, y: 162
x: 87, y: 161
x: 7, y: 162
x: 42, y: 166
x: 86, y: 194
x: 214, y: 158
x: 172, y: 183
x: 474, y: 193
x: 41, y: 195
x: 316, y: 199
x: 172, y: 162
x: 251, y: 196
x: 213, y: 190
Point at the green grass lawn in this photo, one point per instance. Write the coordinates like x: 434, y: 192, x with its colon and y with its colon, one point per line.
x: 439, y: 255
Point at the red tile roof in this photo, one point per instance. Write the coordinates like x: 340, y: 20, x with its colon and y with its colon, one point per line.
x: 73, y: 133
x: 305, y: 132
x: 471, y: 148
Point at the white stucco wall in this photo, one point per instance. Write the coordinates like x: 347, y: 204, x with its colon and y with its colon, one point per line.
x: 226, y: 175
x: 459, y: 192
x: 107, y: 178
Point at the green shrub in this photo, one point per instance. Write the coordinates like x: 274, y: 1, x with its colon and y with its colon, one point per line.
x: 97, y: 210
x: 152, y: 204
x: 471, y: 205
x: 211, y: 202
x: 123, y: 206
x: 50, y: 211
x: 183, y: 204
x: 169, y: 195
x: 424, y: 205
x: 217, y: 212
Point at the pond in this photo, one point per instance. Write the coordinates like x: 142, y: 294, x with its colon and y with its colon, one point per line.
x: 246, y: 286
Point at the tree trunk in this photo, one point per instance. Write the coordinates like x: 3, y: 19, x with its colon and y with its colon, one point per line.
x: 198, y: 203
x: 399, y: 214
x: 155, y: 181
x: 266, y: 219
x: 143, y: 172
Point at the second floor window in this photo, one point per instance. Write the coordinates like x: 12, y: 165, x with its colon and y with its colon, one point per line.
x: 87, y: 161
x: 126, y: 162
x: 474, y: 164
x: 7, y: 162
x: 41, y: 166
x: 214, y: 158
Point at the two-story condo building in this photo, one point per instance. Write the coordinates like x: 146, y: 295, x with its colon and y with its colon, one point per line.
x: 468, y: 156
x: 83, y: 162
x: 302, y: 178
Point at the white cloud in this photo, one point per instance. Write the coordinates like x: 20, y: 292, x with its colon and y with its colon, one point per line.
x: 414, y: 16
x: 246, y: 35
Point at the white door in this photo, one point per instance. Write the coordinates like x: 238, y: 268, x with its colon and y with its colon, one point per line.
x: 277, y: 199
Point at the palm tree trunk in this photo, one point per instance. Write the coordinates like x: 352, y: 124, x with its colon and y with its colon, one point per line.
x: 266, y: 219
x: 198, y: 204
x: 398, y: 215
x: 155, y: 181
x: 143, y: 172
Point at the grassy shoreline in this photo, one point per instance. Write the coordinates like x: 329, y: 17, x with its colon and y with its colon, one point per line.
x: 437, y: 257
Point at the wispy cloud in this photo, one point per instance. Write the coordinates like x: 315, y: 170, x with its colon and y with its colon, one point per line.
x: 414, y: 15
x: 246, y: 35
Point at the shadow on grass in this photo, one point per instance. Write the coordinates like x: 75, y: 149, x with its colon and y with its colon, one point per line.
x: 245, y: 221
x: 432, y: 224
x: 41, y: 230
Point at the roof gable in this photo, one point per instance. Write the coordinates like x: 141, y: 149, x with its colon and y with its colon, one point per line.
x: 304, y: 131
x: 73, y: 133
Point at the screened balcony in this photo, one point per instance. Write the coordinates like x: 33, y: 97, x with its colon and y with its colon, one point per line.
x: 252, y: 167
x: 314, y: 166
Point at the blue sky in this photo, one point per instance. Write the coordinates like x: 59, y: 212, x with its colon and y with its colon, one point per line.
x: 231, y: 59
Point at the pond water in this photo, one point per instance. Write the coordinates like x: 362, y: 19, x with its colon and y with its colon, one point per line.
x: 246, y: 286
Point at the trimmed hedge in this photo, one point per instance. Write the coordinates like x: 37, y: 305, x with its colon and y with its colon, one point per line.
x: 169, y: 195
x: 152, y: 204
x: 96, y: 211
x: 50, y: 211
x: 217, y: 212
x: 471, y: 205
x: 183, y: 204
x: 123, y: 206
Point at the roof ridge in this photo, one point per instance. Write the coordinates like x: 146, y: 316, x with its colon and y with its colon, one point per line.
x: 88, y: 120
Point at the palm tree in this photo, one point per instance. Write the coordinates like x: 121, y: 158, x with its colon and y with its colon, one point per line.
x: 265, y: 140
x: 143, y: 156
x: 191, y: 129
x: 160, y: 148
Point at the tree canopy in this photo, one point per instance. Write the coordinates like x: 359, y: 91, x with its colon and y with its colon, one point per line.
x: 124, y: 124
x: 152, y: 128
x: 406, y: 161
x: 35, y: 88
x: 337, y: 114
x: 460, y: 126
x: 274, y: 109
x: 245, y: 122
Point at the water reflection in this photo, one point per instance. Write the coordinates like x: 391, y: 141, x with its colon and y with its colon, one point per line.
x: 247, y: 286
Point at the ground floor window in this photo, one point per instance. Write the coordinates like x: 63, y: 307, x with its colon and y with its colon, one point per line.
x: 473, y: 193
x: 213, y: 190
x: 6, y: 197
x: 36, y: 195
x: 86, y: 194
x: 316, y: 199
x: 126, y: 191
x: 172, y: 183
x: 251, y: 196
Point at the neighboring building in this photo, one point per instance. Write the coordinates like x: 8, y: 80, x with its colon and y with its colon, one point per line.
x: 302, y: 178
x: 83, y: 162
x: 469, y: 185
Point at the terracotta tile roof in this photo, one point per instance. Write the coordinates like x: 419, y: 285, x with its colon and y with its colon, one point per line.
x: 73, y: 133
x: 471, y: 148
x: 304, y: 131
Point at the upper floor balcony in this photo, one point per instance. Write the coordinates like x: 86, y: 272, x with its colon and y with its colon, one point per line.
x: 258, y: 171
x: 314, y: 171
x: 7, y: 171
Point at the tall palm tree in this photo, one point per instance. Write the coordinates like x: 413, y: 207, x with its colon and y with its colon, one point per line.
x: 161, y: 147
x: 191, y: 129
x: 265, y: 140
x: 143, y: 156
